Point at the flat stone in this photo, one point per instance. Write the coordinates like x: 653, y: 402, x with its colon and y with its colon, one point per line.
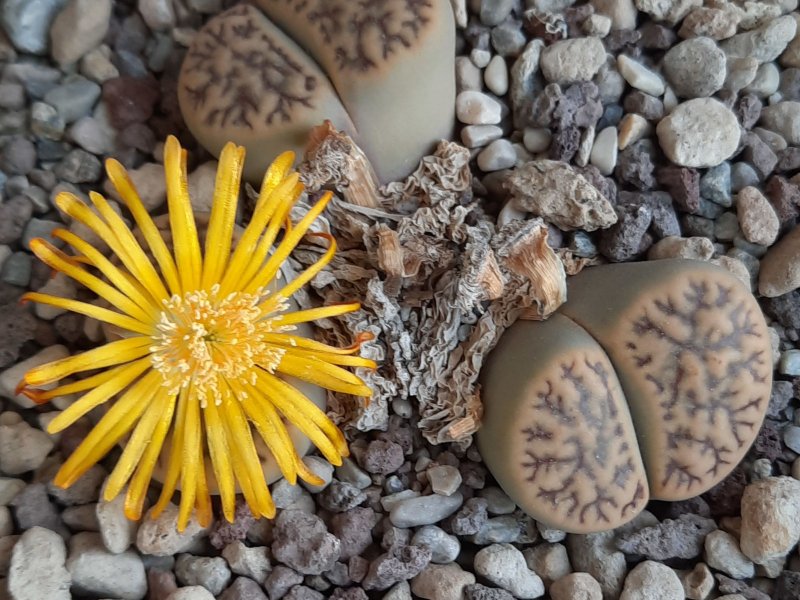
x: 424, y: 510
x: 699, y: 133
x: 639, y: 76
x: 695, y: 68
x: 569, y: 61
x: 97, y: 572
x: 37, y: 569
x: 783, y: 118
x: 78, y: 28
x: 26, y: 23
x: 780, y: 267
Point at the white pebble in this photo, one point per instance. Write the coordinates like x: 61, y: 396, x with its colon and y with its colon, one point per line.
x: 723, y: 554
x: 496, y: 76
x: 37, y: 568
x: 498, y: 155
x: 480, y: 58
x: 639, y: 76
x: 604, y: 151
x: 505, y: 566
x: 476, y: 108
x: 536, y: 139
x: 477, y: 136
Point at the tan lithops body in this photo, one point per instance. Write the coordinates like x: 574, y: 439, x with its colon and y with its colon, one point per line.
x: 557, y: 434
x: 691, y: 349
x: 391, y: 62
x: 685, y: 357
x: 382, y: 71
x: 244, y: 79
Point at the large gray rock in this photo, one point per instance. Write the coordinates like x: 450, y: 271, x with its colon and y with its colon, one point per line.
x: 98, y: 573
x: 37, y: 569
x: 26, y: 22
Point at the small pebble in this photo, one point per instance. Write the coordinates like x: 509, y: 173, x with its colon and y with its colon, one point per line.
x: 496, y: 76
x: 477, y: 136
x: 783, y: 118
x: 650, y: 579
x: 757, y: 218
x: 96, y: 572
x: 695, y: 68
x: 498, y: 155
x: 212, y: 574
x: 38, y: 567
x: 570, y: 61
x: 770, y: 518
x: 476, y: 108
x: 699, y: 133
x: 576, y: 586
x: 442, y: 582
x: 604, y: 150
x: 505, y: 566
x: 443, y: 546
x: 424, y: 510
x: 639, y: 76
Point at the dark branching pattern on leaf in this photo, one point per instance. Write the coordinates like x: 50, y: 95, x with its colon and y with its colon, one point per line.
x: 240, y: 76
x: 702, y: 355
x: 365, y: 33
x: 577, y: 445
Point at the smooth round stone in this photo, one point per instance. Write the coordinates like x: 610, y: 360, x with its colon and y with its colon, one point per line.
x: 536, y: 139
x: 783, y: 118
x: 570, y: 61
x: 604, y: 150
x: 477, y: 136
x: 26, y: 22
x: 699, y: 133
x: 639, y: 76
x: 780, y: 267
x: 480, y: 58
x: 757, y: 218
x: 444, y: 547
x: 74, y: 99
x: 496, y: 76
x: 790, y: 363
x: 632, y: 128
x: 476, y: 108
x: 695, y: 68
x: 444, y: 479
x: 424, y: 510
x: 766, y: 81
x: 498, y: 155
x: 742, y: 175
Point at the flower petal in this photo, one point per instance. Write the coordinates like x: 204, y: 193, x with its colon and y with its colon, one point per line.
x: 90, y: 310
x: 219, y: 451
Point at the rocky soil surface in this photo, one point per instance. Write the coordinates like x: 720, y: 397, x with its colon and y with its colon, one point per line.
x: 686, y: 115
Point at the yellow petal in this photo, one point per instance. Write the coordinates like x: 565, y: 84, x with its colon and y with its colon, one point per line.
x: 123, y: 281
x: 323, y: 374
x: 250, y: 252
x: 124, y: 376
x: 284, y: 249
x: 223, y: 214
x: 184, y: 231
x: 90, y: 310
x: 202, y: 497
x: 192, y: 455
x: 135, y: 446
x: 311, y: 272
x: 276, y: 173
x: 137, y: 491
x: 175, y: 461
x: 113, y: 353
x: 127, y: 191
x: 117, y: 422
x: 220, y: 458
x: 311, y: 314
x: 53, y: 257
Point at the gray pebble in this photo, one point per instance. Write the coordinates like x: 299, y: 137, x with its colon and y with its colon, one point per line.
x: 73, y: 99
x: 211, y: 573
x: 12, y: 96
x: 444, y: 547
x: 46, y: 122
x: 550, y: 561
x: 160, y: 537
x: 350, y: 472
x: 280, y: 581
x: 468, y: 76
x: 37, y: 569
x: 18, y: 156
x: 40, y: 228
x: 81, y: 518
x: 742, y: 175
x: 98, y: 573
x: 783, y: 118
x: 78, y: 166
x: 791, y: 437
x: 27, y: 23
x: 480, y: 58
x: 570, y: 61
x: 715, y: 184
x: 764, y: 43
x: 790, y: 363
x: 765, y: 82
x: 508, y: 38
x: 252, y: 562
x: 505, y: 566
x: 499, y: 530
x: 723, y: 554
x: 496, y: 76
x: 322, y: 469
x: 650, y: 579
x: 695, y: 68
x: 498, y: 155
x: 494, y: 12
x: 497, y: 501
x: 424, y: 510
x: 302, y: 542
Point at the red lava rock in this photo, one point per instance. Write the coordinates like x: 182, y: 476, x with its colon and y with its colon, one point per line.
x: 784, y: 197
x: 748, y: 110
x: 769, y: 442
x: 396, y: 565
x: 734, y: 586
x: 382, y: 457
x: 725, y: 498
x: 352, y: 593
x: 225, y: 533
x: 665, y: 220
x: 649, y: 107
x: 17, y: 326
x: 623, y: 240
x: 635, y: 166
x: 788, y: 586
x: 679, y: 538
x: 759, y: 154
x: 130, y: 100
x: 684, y: 186
x: 354, y: 530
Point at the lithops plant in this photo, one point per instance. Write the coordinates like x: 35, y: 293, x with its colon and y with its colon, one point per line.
x: 380, y: 70
x: 650, y: 382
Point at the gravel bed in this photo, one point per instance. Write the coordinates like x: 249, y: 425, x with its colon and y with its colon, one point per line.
x: 685, y: 115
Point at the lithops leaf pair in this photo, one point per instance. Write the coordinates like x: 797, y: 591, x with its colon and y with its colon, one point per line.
x: 380, y: 70
x: 650, y: 382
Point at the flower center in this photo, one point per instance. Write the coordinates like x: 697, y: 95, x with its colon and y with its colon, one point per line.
x: 202, y: 339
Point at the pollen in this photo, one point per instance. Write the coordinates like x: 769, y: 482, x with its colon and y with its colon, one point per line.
x: 204, y: 338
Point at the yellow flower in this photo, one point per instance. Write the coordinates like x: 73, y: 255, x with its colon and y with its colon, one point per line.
x: 207, y: 334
